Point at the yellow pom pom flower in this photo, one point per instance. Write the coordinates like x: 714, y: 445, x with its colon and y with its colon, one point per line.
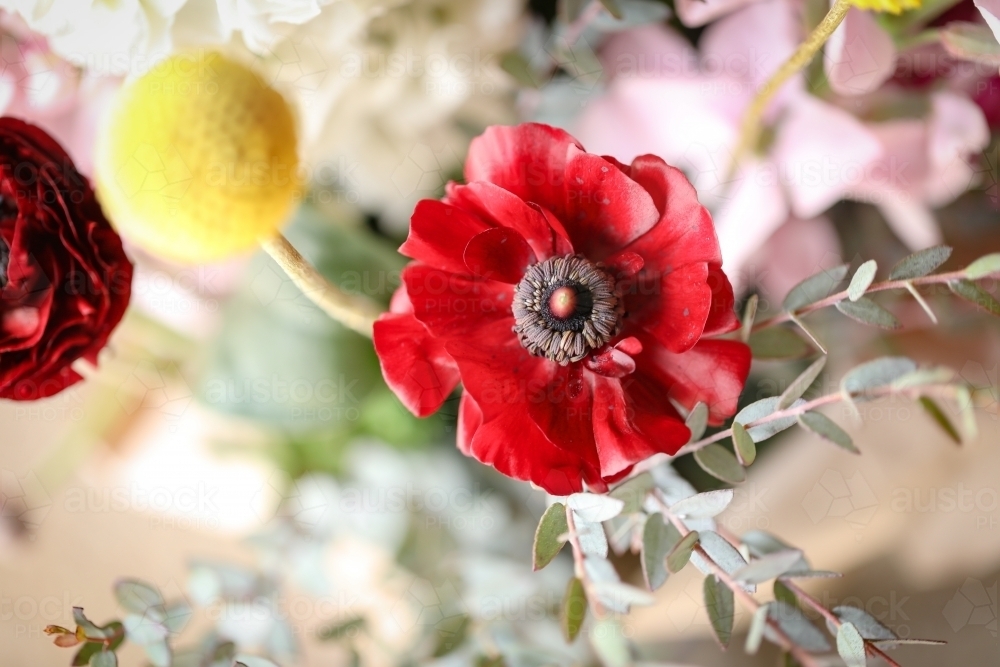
x: 891, y: 6
x: 198, y: 160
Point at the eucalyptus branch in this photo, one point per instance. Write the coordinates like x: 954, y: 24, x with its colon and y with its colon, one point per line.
x: 832, y: 618
x: 941, y: 390
x: 805, y: 658
x: 885, y: 285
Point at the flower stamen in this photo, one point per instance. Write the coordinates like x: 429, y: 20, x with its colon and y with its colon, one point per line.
x: 565, y: 307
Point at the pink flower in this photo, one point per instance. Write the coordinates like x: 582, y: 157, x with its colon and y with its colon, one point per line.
x: 687, y: 105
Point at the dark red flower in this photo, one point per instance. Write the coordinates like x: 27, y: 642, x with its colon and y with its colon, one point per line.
x: 65, y: 279
x: 570, y: 295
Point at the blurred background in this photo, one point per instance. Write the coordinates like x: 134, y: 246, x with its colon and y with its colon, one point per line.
x: 240, y: 452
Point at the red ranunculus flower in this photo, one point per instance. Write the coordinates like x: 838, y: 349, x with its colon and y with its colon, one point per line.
x: 64, y: 278
x: 570, y: 295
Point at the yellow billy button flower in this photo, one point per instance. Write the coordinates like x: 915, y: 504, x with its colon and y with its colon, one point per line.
x: 198, y: 160
x: 891, y: 6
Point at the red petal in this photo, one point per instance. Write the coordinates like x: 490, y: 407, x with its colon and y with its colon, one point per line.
x: 456, y: 306
x: 676, y: 310
x: 502, y: 376
x: 623, y: 441
x: 499, y: 254
x: 470, y: 418
x: 625, y: 264
x: 721, y: 317
x: 713, y: 372
x: 414, y: 364
x: 516, y: 447
x: 684, y: 233
x: 439, y: 233
x: 561, y: 404
x: 528, y: 160
x: 605, y: 209
x: 504, y: 209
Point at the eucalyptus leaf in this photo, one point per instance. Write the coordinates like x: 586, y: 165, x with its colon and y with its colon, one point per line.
x: 826, y: 428
x: 798, y: 628
x: 756, y: 632
x: 176, y: 616
x: 720, y: 463
x: 681, y: 553
x: 811, y: 574
x: 764, y: 408
x: 551, y: 528
x: 721, y: 609
x: 697, y: 420
x: 862, y: 280
x: 963, y: 399
x: 618, y: 597
x: 104, y: 659
x: 931, y: 407
x: 783, y: 593
x: 851, y: 646
x: 925, y: 376
x: 595, y: 507
x: 658, y: 539
x: 144, y: 630
x: 778, y: 343
x: 768, y: 567
x: 984, y: 266
x: 760, y: 543
x: 633, y: 492
x: 801, y: 384
x: 138, y: 597
x: 722, y: 553
x: 592, y: 538
x: 573, y: 610
x: 920, y: 263
x: 159, y: 654
x: 703, y: 505
x: 814, y: 288
x: 90, y: 628
x: 610, y: 644
x: 973, y: 293
x: 867, y: 625
x: 889, y: 644
x: 866, y: 311
x: 746, y: 451
x: 876, y: 373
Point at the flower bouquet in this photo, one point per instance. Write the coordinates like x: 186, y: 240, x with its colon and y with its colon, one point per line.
x: 548, y: 300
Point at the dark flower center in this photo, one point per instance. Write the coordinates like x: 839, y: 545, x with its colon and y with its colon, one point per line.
x: 565, y: 307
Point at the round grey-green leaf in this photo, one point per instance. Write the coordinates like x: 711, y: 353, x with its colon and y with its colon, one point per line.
x: 862, y: 280
x: 826, y: 428
x: 547, y: 543
x: 851, y: 646
x: 920, y: 263
x: 720, y: 608
x: 720, y: 463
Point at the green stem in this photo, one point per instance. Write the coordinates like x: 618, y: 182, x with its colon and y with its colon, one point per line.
x: 803, y: 56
